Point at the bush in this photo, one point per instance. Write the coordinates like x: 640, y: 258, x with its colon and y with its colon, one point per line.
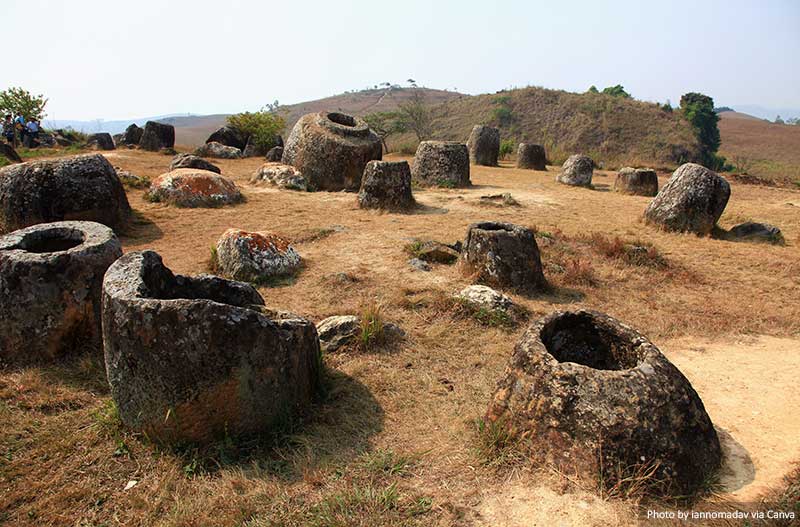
x: 699, y: 111
x: 263, y: 126
x: 506, y: 148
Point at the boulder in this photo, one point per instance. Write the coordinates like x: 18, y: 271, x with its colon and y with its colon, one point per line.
x: 503, y: 255
x: 486, y: 298
x: 338, y: 331
x: 255, y: 256
x: 594, y: 397
x: 101, y: 141
x: 484, y: 145
x: 219, y: 150
x: 192, y: 161
x: 132, y: 135
x: 9, y: 153
x: 280, y: 175
x: 275, y: 154
x: 441, y: 164
x: 636, y: 181
x: 47, y: 139
x: 577, y: 171
x: 435, y: 252
x: 331, y: 150
x: 189, y: 187
x: 531, y: 156
x: 51, y: 276
x: 157, y: 136
x: 82, y: 187
x: 692, y: 201
x: 386, y: 185
x: 229, y: 136
x: 756, y: 232
x: 194, y: 359
x: 251, y: 149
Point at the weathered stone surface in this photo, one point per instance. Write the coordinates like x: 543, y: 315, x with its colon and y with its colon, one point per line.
x: 484, y: 145
x: 9, y: 153
x: 756, y: 232
x: 192, y: 161
x: 101, y: 141
x: 386, y: 185
x: 692, y: 201
x: 280, y: 175
x: 188, y: 187
x: 419, y: 265
x: 275, y: 154
x: 229, y: 136
x: 83, y: 187
x: 191, y: 359
x: 338, y: 331
x: 442, y: 164
x: 577, y: 171
x: 637, y: 181
x: 156, y: 136
x: 132, y: 136
x: 531, y: 156
x: 486, y: 297
x: 51, y: 276
x: 503, y: 255
x: 218, y: 150
x: 331, y: 150
x: 592, y: 395
x: 251, y: 149
x: 130, y: 179
x: 255, y: 256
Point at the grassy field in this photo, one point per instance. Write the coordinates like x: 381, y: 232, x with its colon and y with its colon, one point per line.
x: 396, y: 441
x: 760, y: 148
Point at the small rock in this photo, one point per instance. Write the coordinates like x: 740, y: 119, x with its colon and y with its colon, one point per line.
x: 280, y: 175
x: 757, y: 232
x: 255, y: 256
x: 214, y: 149
x: 192, y: 161
x: 338, y: 331
x: 131, y: 180
x: 275, y: 154
x: 419, y: 265
x: 486, y: 297
x: 500, y: 199
x: 436, y: 252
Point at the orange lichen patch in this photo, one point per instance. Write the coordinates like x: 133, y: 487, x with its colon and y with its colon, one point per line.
x: 196, y: 182
x: 259, y: 241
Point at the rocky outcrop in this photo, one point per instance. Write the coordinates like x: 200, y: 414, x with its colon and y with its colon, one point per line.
x: 484, y: 145
x: 636, y: 181
x: 132, y: 135
x: 692, y: 201
x: 229, y: 136
x: 156, y: 136
x: 101, y: 141
x: 280, y: 175
x: 386, y: 185
x: 218, y: 150
x: 441, y: 164
x: 577, y: 171
x: 188, y: 187
x: 192, y: 161
x: 593, y: 397
x: 531, y: 156
x: 255, y: 256
x: 83, y: 187
x: 51, y: 277
x: 275, y: 154
x: 503, y: 255
x: 193, y: 359
x: 331, y: 150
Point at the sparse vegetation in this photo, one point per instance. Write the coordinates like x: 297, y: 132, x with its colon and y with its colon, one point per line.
x: 699, y: 111
x: 507, y: 147
x: 263, y: 126
x: 19, y: 101
x: 371, y: 334
x: 386, y: 124
x: 416, y: 115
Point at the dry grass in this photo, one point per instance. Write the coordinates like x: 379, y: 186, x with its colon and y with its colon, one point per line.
x: 64, y: 459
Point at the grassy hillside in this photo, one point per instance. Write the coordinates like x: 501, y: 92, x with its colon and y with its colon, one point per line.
x: 612, y: 130
x: 761, y: 148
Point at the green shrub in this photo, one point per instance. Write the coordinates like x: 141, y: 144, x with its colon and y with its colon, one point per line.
x: 263, y: 126
x: 506, y: 148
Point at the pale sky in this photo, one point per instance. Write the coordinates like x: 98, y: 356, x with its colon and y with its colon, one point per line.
x: 116, y: 59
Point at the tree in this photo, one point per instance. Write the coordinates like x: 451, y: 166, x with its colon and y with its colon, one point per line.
x: 699, y: 111
x: 592, y: 89
x: 385, y: 124
x: 18, y: 101
x: 417, y: 115
x: 616, y: 91
x: 778, y: 120
x: 263, y: 126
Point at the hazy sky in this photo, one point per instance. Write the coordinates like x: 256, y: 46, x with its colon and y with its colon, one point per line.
x: 118, y: 60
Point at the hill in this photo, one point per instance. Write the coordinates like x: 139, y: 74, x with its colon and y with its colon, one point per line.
x: 612, y: 130
x: 761, y: 148
x: 193, y: 130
